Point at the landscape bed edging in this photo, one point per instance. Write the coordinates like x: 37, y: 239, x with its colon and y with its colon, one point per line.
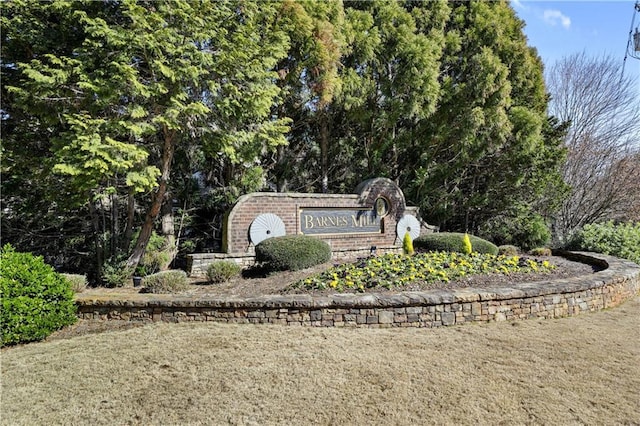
x: 434, y: 308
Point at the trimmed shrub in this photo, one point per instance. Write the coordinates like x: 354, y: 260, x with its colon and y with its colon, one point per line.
x: 155, y: 255
x: 622, y: 240
x: 508, y: 250
x: 36, y: 301
x: 292, y: 252
x: 540, y: 251
x: 466, y: 244
x: 172, y: 281
x: 222, y: 271
x: 452, y: 241
x: 78, y: 282
x: 407, y: 244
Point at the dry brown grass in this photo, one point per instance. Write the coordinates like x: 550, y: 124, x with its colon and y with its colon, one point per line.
x: 580, y: 370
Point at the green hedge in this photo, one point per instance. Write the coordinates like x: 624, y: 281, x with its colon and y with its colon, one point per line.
x: 621, y: 240
x: 36, y: 301
x: 452, y: 241
x: 292, y: 252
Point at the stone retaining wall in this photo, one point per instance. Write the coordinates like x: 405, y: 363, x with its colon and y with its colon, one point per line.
x: 548, y: 299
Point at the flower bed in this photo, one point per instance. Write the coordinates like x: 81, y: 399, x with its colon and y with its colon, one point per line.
x: 397, y: 270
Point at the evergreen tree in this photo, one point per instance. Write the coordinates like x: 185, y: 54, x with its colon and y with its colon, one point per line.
x: 137, y: 81
x: 487, y: 146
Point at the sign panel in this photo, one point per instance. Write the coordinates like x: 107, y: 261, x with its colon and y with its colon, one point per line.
x: 316, y: 221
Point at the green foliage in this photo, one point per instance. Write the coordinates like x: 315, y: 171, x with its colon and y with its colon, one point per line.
x: 540, y: 251
x: 407, y: 244
x: 154, y: 256
x: 292, y: 252
x: 519, y: 226
x: 172, y: 281
x: 78, y: 282
x: 508, y: 250
x: 123, y: 106
x: 621, y: 240
x: 467, y: 248
x: 492, y: 109
x: 115, y: 273
x: 222, y: 271
x: 397, y: 271
x: 36, y: 300
x: 113, y: 98
x: 452, y: 242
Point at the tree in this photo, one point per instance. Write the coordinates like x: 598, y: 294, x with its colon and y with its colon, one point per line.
x: 390, y: 79
x: 136, y: 82
x: 603, y: 111
x: 309, y: 81
x: 381, y: 75
x: 489, y: 145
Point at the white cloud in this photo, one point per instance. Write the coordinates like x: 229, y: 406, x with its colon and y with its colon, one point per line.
x: 555, y: 17
x: 517, y: 4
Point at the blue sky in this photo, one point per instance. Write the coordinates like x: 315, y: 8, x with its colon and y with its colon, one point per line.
x: 560, y: 28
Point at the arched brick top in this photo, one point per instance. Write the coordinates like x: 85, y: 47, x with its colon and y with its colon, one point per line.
x: 370, y: 190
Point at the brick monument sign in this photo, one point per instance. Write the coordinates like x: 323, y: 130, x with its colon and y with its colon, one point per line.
x: 375, y: 218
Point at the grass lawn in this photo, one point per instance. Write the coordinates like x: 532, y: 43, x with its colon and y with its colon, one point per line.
x: 579, y: 370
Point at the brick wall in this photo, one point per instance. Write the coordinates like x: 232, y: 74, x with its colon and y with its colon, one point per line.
x: 237, y: 246
x: 287, y: 206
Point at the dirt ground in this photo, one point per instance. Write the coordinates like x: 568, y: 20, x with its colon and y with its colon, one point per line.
x: 259, y: 283
x: 578, y: 370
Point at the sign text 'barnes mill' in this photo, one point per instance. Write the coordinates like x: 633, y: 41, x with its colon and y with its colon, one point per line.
x: 339, y: 221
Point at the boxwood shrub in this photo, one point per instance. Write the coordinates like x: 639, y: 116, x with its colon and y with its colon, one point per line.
x: 508, y: 250
x: 452, y: 241
x: 36, y: 301
x: 292, y: 252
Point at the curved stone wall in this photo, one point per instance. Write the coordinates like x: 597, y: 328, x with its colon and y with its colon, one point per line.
x: 435, y: 308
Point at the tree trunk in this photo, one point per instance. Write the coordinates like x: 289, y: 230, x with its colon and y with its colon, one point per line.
x: 128, y: 232
x: 95, y: 221
x: 168, y: 232
x: 324, y: 151
x: 158, y: 199
x: 115, y: 225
